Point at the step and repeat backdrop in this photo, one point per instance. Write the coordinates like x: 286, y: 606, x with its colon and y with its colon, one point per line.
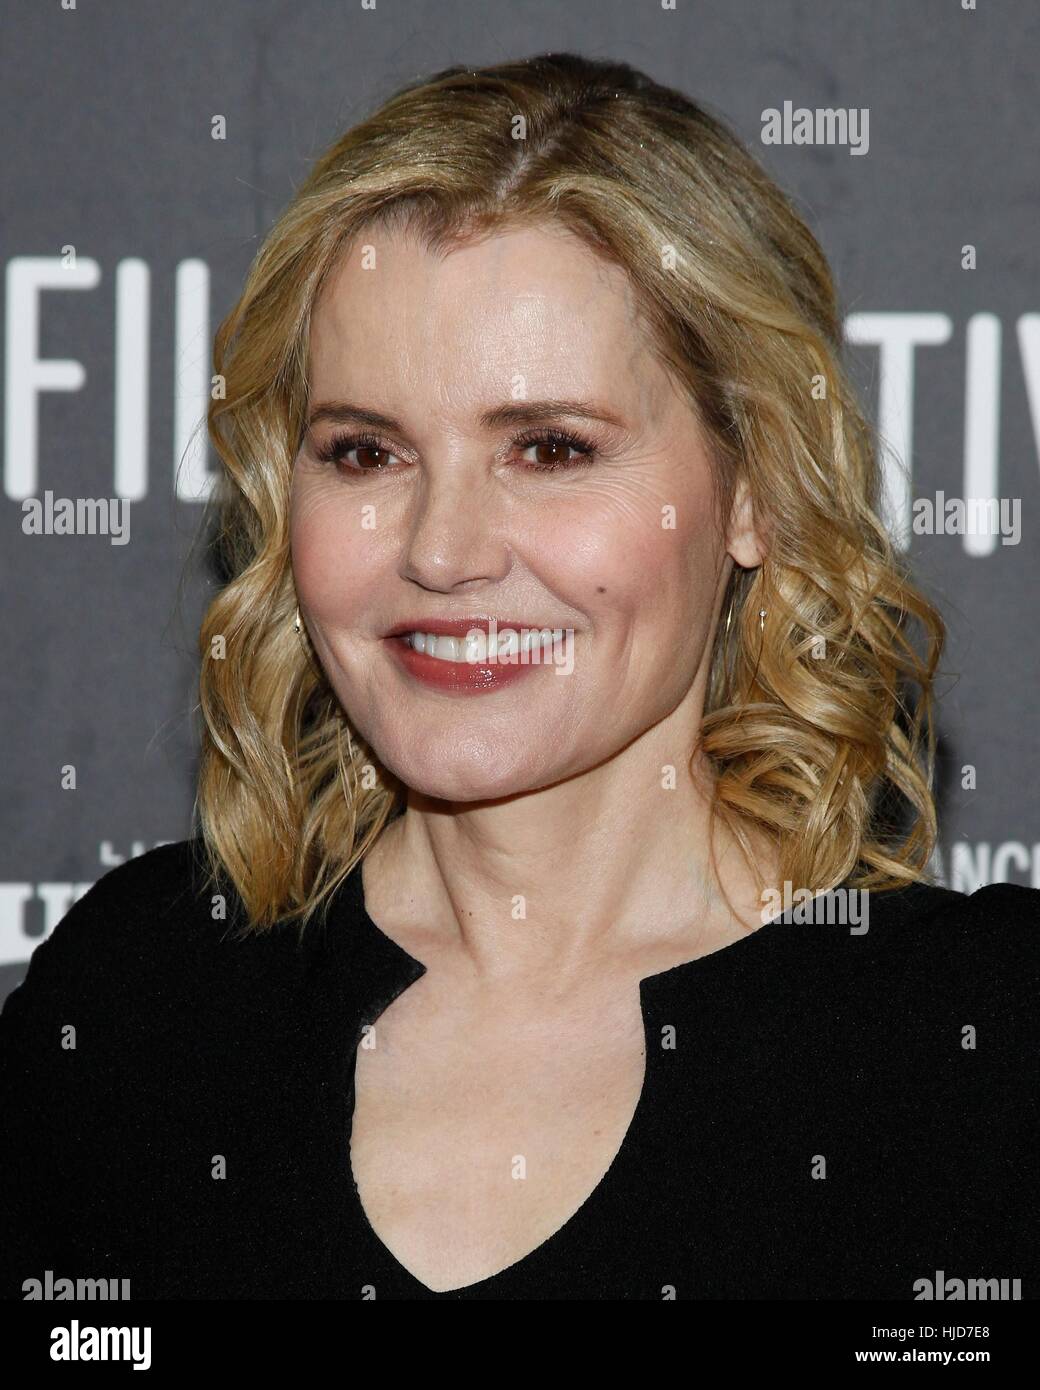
x: 148, y: 146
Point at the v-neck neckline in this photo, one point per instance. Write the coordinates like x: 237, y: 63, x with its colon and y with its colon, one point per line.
x: 390, y: 954
x: 392, y: 970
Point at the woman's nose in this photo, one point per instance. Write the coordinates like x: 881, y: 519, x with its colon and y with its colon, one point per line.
x: 454, y: 532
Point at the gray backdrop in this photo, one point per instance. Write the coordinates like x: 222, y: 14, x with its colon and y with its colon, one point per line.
x: 107, y: 117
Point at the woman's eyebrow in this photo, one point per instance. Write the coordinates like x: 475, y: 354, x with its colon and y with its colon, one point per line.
x: 342, y: 412
x: 524, y: 412
x: 512, y: 413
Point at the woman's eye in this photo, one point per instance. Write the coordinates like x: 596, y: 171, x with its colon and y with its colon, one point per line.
x: 370, y: 457
x: 551, y: 453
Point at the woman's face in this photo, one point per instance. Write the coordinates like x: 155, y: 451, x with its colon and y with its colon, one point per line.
x: 447, y: 511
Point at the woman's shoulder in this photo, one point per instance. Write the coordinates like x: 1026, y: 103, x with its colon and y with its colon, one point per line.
x: 156, y: 886
x: 919, y: 922
x: 999, y: 922
x: 152, y: 930
x: 934, y: 953
x: 152, y: 896
x: 919, y: 955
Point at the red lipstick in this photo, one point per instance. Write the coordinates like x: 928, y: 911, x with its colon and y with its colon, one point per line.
x: 463, y: 677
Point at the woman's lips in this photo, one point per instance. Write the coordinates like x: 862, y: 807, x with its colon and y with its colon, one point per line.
x: 460, y: 677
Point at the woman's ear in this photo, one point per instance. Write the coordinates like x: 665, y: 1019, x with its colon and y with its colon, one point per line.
x: 745, y: 540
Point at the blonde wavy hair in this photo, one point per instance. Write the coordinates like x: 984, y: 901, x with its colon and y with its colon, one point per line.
x: 831, y: 759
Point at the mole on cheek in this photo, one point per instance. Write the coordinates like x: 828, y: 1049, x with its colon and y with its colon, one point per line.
x: 600, y: 589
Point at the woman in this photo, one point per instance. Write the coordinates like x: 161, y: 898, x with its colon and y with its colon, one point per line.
x: 562, y: 670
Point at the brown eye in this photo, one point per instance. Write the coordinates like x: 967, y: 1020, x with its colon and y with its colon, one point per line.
x: 370, y: 456
x: 551, y: 453
x: 555, y: 450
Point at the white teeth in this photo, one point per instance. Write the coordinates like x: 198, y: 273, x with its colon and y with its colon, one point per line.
x: 536, y: 637
x: 504, y: 643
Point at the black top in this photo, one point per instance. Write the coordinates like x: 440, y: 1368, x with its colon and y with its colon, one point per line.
x: 838, y: 1113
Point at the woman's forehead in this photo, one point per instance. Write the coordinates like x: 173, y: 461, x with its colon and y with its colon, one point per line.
x: 523, y: 311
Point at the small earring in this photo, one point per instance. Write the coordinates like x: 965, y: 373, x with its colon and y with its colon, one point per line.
x: 762, y: 620
x: 297, y: 625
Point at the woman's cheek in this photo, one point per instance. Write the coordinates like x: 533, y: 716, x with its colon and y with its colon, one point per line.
x: 608, y: 546
x: 334, y: 556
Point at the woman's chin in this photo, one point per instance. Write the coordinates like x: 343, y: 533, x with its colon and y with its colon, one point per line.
x: 466, y: 782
